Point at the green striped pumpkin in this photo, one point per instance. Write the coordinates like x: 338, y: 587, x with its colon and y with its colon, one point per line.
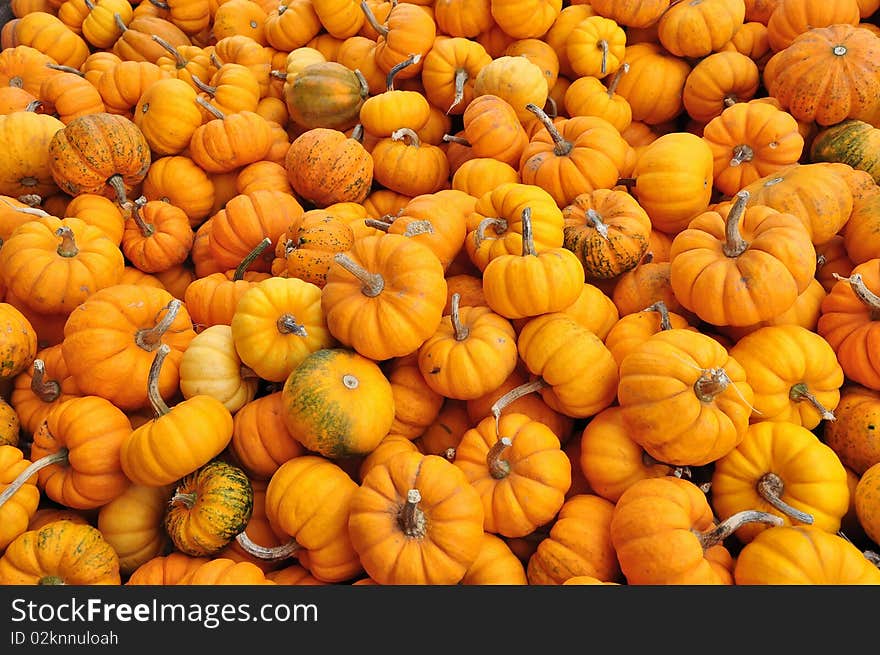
x: 852, y: 142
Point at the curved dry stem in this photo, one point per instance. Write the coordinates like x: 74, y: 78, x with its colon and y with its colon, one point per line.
x: 461, y: 331
x: 726, y: 528
x: 265, y: 553
x: 561, y: 146
x: 67, y: 247
x: 412, y: 59
x: 21, y: 479
x: 734, y: 244
x: 863, y: 293
x: 150, y: 338
x: 770, y: 487
x: 516, y: 393
x: 287, y: 324
x: 372, y: 284
x: 800, y: 392
x: 48, y: 391
x: 498, y: 468
x: 250, y: 258
x: 157, y: 403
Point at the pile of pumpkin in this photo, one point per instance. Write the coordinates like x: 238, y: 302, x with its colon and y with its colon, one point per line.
x: 440, y: 292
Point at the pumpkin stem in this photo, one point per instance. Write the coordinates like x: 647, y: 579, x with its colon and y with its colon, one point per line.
x: 408, y: 136
x: 423, y: 226
x: 412, y: 518
x: 461, y: 331
x: 34, y: 105
x: 287, y: 324
x: 712, y: 382
x: 726, y: 528
x: 376, y: 223
x: 449, y: 454
x: 216, y: 113
x: 499, y: 224
x: 250, y: 258
x: 595, y: 219
x: 278, y: 74
x: 528, y: 240
x: 741, y: 153
x: 459, y: 80
x: 800, y: 392
x: 872, y: 556
x: 357, y: 133
x: 661, y: 308
x: 603, y: 44
x: 612, y: 86
x: 365, y: 86
x: 628, y: 182
x: 516, y: 393
x: 32, y: 211
x: 770, y: 487
x: 561, y: 145
x: 179, y: 61
x: 21, y: 479
x: 32, y: 200
x: 207, y: 88
x: 188, y: 499
x: 730, y: 100
x: 120, y: 24
x: 66, y: 69
x: 160, y: 4
x: 67, y: 247
x: 156, y: 400
x: 863, y: 293
x: 47, y: 391
x: 146, y: 229
x: 498, y: 468
x: 118, y: 186
x: 399, y: 66
x: 734, y: 244
x: 453, y: 138
x: 372, y: 20
x: 372, y: 284
x: 50, y: 580
x: 150, y: 338
x: 263, y: 552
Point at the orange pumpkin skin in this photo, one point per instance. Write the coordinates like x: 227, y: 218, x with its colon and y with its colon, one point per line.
x: 579, y: 543
x: 88, y: 426
x: 610, y: 460
x: 19, y: 346
x: 848, y: 321
x: 405, y: 515
x: 224, y: 571
x: 686, y: 401
x: 709, y: 253
x: 503, y: 471
x: 165, y: 569
x: 339, y: 168
x: 407, y: 309
x: 260, y: 440
x: 654, y: 530
x: 854, y: 435
x: 132, y: 524
x: 813, y: 480
x: 61, y: 552
x: 323, y: 398
x: 110, y: 339
x: 416, y: 405
x: 803, y: 554
x: 27, y: 165
x: 581, y: 372
x: 472, y: 353
x: 827, y: 74
x: 54, y: 264
x: 496, y: 564
x: 309, y: 498
x: 99, y: 153
x: 16, y: 513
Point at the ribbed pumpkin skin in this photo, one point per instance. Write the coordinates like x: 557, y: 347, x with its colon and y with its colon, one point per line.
x: 95, y: 147
x: 209, y: 507
x: 852, y: 142
x: 20, y: 508
x: 803, y: 554
x: 75, y: 553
